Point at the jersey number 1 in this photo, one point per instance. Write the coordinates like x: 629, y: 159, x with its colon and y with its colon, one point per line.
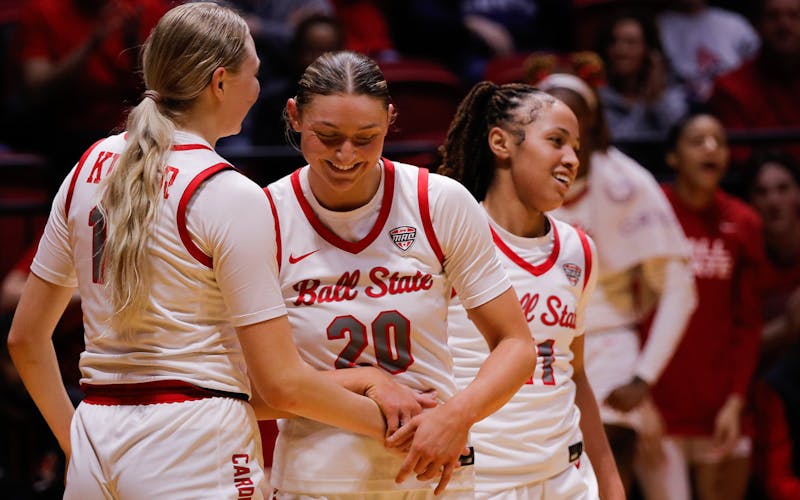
x: 98, y: 224
x: 545, y: 351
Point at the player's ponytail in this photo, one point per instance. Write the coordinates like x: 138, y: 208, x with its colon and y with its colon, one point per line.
x: 179, y: 56
x: 466, y: 155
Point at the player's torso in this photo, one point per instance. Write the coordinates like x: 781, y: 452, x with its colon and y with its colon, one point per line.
x: 541, y: 420
x: 185, y: 306
x: 380, y: 301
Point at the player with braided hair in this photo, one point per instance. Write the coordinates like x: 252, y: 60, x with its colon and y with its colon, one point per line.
x: 516, y: 149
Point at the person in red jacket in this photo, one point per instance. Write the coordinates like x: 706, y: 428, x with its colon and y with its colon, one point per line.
x: 78, y: 62
x: 702, y: 391
x: 764, y: 93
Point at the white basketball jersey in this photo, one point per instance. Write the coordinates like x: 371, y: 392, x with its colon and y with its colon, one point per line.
x: 382, y: 301
x: 624, y: 210
x: 536, y: 434
x: 186, y: 333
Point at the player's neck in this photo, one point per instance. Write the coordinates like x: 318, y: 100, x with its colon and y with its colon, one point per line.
x: 513, y: 216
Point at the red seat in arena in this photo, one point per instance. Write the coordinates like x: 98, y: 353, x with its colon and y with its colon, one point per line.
x: 426, y: 96
x: 506, y: 69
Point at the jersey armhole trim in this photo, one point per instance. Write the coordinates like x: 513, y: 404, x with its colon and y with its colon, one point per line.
x: 587, y: 254
x: 277, y: 226
x: 74, y: 179
x: 425, y: 213
x: 183, y: 231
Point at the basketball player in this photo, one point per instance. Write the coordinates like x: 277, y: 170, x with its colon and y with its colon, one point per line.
x: 515, y: 148
x: 166, y: 245
x: 642, y: 259
x: 701, y: 394
x: 369, y: 250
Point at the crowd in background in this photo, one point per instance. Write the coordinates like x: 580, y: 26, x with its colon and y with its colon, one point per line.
x: 69, y: 72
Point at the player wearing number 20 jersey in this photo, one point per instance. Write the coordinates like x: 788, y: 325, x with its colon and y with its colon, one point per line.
x: 536, y: 435
x: 372, y: 286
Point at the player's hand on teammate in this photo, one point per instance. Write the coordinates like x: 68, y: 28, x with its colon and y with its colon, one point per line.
x: 435, y: 440
x: 398, y: 402
x: 627, y: 397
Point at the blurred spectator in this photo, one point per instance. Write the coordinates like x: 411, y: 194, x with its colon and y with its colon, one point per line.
x: 701, y: 42
x: 438, y: 20
x: 502, y: 27
x: 776, y: 443
x: 774, y: 191
x: 702, y: 392
x: 641, y: 98
x: 314, y: 36
x: 366, y: 28
x: 643, y: 261
x: 32, y: 464
x: 273, y: 25
x: 273, y: 22
x: 765, y: 92
x: 79, y: 61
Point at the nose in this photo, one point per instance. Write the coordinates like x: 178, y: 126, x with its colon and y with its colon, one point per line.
x: 570, y: 159
x: 345, y: 152
x: 710, y: 143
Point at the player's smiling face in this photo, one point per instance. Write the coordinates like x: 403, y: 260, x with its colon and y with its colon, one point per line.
x: 341, y: 137
x: 545, y: 163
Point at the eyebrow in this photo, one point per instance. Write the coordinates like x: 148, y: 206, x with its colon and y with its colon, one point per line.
x: 333, y: 125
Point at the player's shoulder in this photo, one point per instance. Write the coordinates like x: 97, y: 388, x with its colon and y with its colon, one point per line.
x: 573, y: 237
x: 282, y: 187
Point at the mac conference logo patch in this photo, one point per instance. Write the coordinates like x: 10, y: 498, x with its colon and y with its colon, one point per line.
x: 403, y: 236
x: 573, y: 273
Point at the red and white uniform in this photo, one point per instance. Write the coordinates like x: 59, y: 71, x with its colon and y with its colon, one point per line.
x: 372, y: 285
x: 537, y: 434
x: 208, y: 275
x: 630, y: 220
x: 718, y: 354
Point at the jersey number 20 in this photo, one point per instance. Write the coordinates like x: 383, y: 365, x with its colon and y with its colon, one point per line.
x: 391, y: 338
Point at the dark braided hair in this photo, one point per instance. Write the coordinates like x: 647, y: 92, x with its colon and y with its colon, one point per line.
x: 465, y: 153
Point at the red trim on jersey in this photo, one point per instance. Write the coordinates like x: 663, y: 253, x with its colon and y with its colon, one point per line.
x: 587, y: 253
x: 190, y: 147
x: 534, y: 270
x: 148, y: 393
x: 74, y: 179
x: 277, y: 226
x: 183, y: 231
x: 425, y: 212
x: 353, y: 247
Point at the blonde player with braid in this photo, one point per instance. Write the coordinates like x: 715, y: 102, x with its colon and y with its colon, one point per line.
x: 166, y: 244
x: 516, y: 149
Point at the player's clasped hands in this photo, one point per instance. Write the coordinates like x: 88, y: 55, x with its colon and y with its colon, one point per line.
x: 434, y: 441
x: 399, y: 403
